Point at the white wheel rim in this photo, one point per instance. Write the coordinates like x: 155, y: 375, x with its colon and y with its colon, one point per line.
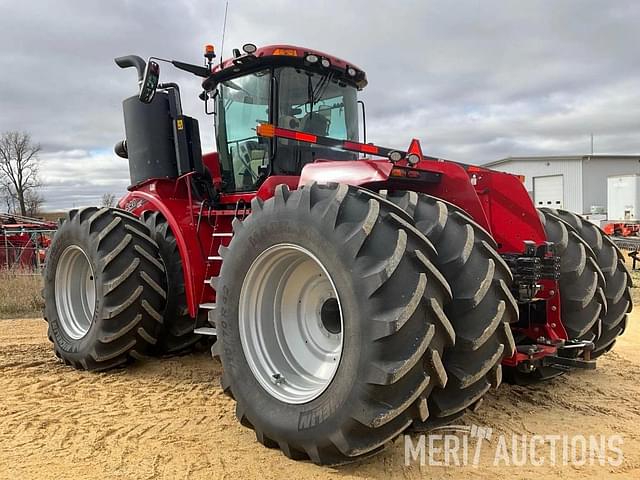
x: 75, y: 292
x: 291, y: 323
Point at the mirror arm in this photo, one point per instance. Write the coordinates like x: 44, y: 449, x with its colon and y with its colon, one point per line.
x: 197, y: 70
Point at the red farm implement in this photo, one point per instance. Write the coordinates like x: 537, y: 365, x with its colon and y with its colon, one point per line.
x: 24, y: 241
x: 620, y: 229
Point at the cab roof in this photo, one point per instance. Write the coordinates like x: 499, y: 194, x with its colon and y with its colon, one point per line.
x: 277, y: 55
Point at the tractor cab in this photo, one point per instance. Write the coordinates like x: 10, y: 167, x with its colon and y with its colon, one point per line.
x: 288, y: 87
x: 281, y: 86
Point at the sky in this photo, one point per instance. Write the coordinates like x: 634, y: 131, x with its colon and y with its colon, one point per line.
x: 475, y: 81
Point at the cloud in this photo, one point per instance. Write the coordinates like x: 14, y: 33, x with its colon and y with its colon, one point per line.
x: 475, y: 81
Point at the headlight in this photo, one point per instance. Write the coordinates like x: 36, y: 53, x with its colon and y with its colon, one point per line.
x: 249, y: 48
x: 395, y: 156
x: 311, y: 58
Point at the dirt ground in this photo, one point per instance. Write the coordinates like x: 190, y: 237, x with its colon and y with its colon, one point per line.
x: 169, y: 419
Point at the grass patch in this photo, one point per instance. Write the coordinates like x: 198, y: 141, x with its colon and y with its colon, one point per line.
x: 20, y: 294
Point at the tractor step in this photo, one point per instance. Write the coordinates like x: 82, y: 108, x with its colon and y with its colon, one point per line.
x: 211, y: 314
x: 205, y: 331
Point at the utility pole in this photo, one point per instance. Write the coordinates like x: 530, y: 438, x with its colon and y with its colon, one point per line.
x: 591, y: 143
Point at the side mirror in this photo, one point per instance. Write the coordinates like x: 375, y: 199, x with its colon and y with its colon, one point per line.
x: 149, y: 82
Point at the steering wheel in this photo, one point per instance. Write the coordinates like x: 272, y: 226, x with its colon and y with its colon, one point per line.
x: 316, y: 123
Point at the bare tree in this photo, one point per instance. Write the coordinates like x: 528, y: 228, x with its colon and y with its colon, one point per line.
x: 19, y: 164
x: 6, y: 197
x: 33, y: 202
x: 108, y: 200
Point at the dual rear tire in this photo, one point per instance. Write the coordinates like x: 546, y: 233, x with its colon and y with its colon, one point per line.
x: 104, y: 289
x: 594, y: 286
x: 614, y: 280
x: 114, y: 290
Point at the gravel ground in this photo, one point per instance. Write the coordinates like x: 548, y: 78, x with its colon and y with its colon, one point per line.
x: 168, y: 418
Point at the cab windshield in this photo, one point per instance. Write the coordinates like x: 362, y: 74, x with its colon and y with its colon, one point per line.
x: 314, y: 103
x: 305, y: 101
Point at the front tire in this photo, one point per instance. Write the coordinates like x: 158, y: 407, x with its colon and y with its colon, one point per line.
x: 104, y: 289
x: 388, y: 340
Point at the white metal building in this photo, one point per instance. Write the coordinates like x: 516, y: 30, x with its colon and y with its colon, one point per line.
x: 577, y: 183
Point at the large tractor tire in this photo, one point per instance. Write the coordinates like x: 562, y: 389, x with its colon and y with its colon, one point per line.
x: 176, y: 335
x: 617, y: 279
x: 331, y: 325
x: 482, y: 307
x: 582, y: 301
x: 104, y: 289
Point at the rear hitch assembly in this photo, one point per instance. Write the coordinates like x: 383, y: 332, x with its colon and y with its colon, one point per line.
x: 549, y: 353
x: 568, y: 363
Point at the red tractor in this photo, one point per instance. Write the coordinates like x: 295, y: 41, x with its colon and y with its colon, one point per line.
x: 352, y: 290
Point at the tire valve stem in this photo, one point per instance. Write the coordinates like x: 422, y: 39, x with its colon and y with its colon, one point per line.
x: 277, y: 379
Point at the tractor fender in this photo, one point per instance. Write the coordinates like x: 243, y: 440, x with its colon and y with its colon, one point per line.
x: 137, y: 202
x: 453, y: 185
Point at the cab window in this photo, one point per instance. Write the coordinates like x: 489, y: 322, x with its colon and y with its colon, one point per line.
x: 242, y: 104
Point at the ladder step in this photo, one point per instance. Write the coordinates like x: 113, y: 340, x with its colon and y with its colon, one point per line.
x: 215, y: 258
x: 222, y: 234
x: 208, y: 306
x: 211, y: 318
x: 205, y: 331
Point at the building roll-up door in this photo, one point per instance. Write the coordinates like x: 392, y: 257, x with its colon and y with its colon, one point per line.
x: 548, y: 191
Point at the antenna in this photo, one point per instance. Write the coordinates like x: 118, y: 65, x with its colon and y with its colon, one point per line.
x: 224, y: 30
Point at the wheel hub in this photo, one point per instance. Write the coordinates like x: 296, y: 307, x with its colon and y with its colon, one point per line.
x: 291, y: 323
